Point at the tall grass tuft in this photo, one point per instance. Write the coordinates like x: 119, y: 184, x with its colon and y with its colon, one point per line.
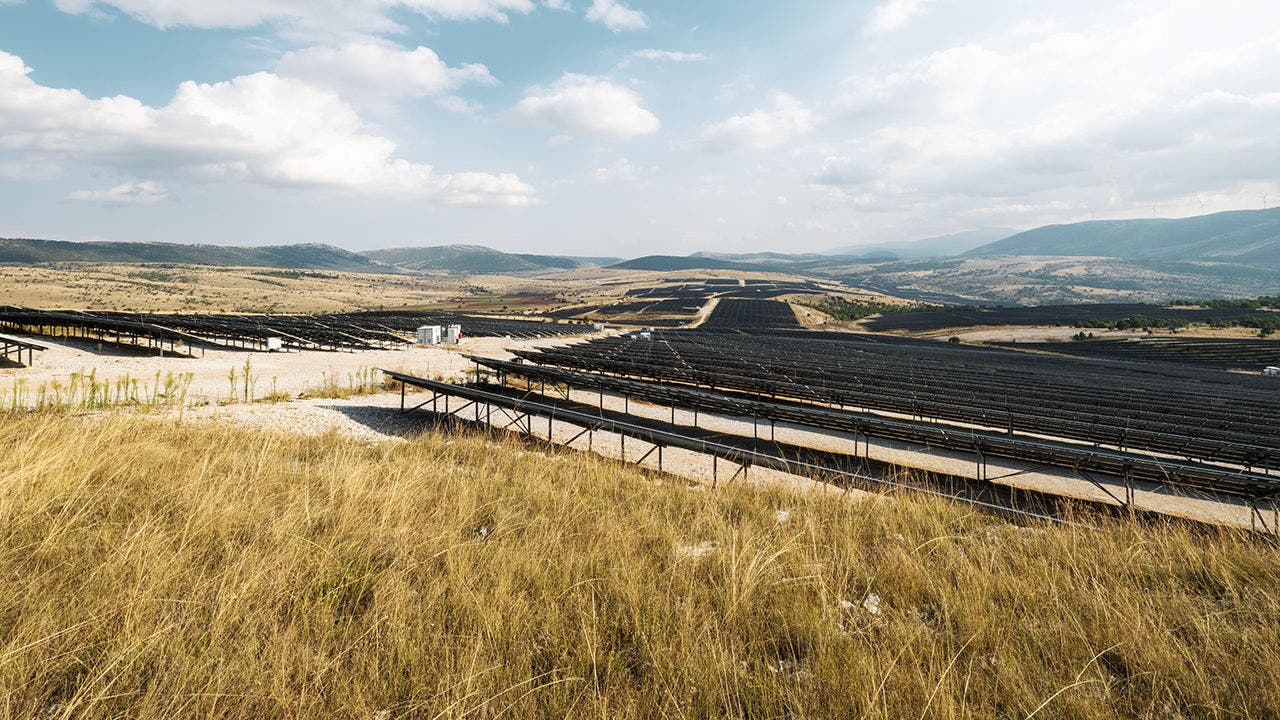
x: 85, y: 391
x: 361, y: 381
x: 159, y: 569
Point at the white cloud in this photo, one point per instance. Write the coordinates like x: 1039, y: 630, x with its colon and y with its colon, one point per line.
x: 28, y: 170
x: 583, y: 105
x: 462, y: 106
x: 762, y: 128
x: 893, y: 14
x: 145, y: 192
x: 304, y: 17
x: 668, y: 56
x: 258, y: 128
x: 620, y: 170
x: 1154, y: 106
x: 842, y: 171
x: 616, y: 16
x: 375, y: 72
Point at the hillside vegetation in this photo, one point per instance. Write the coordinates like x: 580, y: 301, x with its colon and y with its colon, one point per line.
x: 477, y: 260
x: 197, y: 288
x: 296, y: 257
x: 155, y: 569
x: 1243, y: 236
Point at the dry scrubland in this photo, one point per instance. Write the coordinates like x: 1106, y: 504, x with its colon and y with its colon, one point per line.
x: 156, y: 569
x: 192, y: 288
x: 204, y: 289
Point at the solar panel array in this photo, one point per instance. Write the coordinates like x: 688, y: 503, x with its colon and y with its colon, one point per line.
x: 1061, y: 315
x: 12, y: 349
x: 332, y: 331
x: 1237, y: 353
x: 748, y: 315
x: 1214, y: 432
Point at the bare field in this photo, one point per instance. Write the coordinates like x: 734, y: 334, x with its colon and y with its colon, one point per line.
x: 226, y: 376
x: 208, y: 289
x: 193, y: 288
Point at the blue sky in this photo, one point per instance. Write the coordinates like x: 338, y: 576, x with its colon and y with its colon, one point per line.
x: 626, y: 127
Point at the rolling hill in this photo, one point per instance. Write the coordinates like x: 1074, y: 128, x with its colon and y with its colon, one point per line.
x: 293, y: 257
x: 752, y: 262
x: 1243, y: 237
x: 662, y: 263
x: 477, y: 259
x: 943, y: 245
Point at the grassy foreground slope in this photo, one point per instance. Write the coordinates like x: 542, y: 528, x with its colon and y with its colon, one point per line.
x: 152, y: 569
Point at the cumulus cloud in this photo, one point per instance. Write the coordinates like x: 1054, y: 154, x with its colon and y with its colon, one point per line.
x: 843, y: 171
x: 616, y: 16
x: 306, y: 17
x: 620, y: 170
x: 668, y: 56
x: 763, y: 128
x: 375, y: 72
x: 583, y: 105
x: 1148, y: 108
x: 660, y: 57
x: 462, y: 106
x: 145, y: 192
x: 28, y: 170
x: 893, y: 14
x: 259, y: 128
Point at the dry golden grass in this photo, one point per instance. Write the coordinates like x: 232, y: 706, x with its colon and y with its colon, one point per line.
x: 191, y: 288
x: 153, y: 569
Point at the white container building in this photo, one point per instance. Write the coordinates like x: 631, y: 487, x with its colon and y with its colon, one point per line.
x: 429, y: 335
x: 275, y: 344
x: 454, y: 334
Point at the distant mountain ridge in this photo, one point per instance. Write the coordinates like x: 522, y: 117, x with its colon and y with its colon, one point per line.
x: 663, y: 263
x: 940, y: 246
x: 477, y: 260
x: 751, y: 262
x: 463, y: 259
x: 1240, y: 236
x: 309, y: 256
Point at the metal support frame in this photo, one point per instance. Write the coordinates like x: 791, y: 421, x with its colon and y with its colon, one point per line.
x: 1126, y: 503
x: 747, y: 457
x: 1258, y: 520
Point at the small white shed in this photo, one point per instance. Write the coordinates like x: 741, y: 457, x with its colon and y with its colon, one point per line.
x: 275, y: 344
x: 454, y: 334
